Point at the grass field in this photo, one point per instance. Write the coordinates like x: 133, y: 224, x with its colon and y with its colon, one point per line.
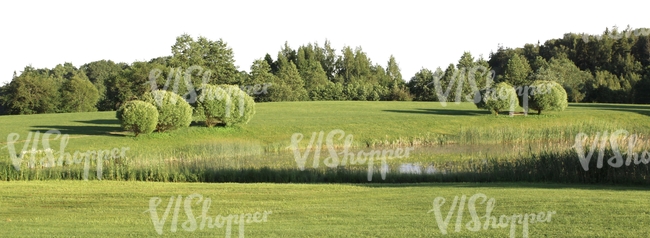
x: 455, y: 135
x: 110, y: 209
x: 438, y: 135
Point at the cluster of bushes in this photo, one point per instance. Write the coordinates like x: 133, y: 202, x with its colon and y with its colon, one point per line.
x: 162, y: 110
x: 541, y: 95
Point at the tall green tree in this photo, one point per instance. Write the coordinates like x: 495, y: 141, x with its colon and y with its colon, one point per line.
x: 214, y: 56
x: 132, y: 83
x: 34, y: 91
x: 4, y: 92
x: 328, y: 60
x: 605, y: 88
x: 394, y: 73
x: 447, y: 85
x: 517, y: 71
x: 567, y: 74
x: 260, y: 74
x: 78, y: 94
x: 641, y: 49
x: 290, y: 54
x: 289, y: 86
x: 499, y: 60
x: 421, y: 86
x: 99, y: 73
x: 310, y: 69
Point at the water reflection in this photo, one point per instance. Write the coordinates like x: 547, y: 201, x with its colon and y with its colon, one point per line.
x: 410, y: 168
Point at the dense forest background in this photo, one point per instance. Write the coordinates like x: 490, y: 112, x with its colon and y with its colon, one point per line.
x: 610, y: 68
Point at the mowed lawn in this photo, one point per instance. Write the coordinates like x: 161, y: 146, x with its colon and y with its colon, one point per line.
x: 275, y: 123
x: 120, y: 209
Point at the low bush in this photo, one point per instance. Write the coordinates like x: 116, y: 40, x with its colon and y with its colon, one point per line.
x: 173, y: 111
x: 500, y: 98
x: 225, y: 104
x: 138, y: 117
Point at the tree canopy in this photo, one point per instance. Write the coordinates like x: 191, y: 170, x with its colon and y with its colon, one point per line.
x: 610, y: 68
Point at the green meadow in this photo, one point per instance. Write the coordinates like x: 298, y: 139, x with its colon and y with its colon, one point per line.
x: 120, y: 209
x: 457, y: 138
x: 526, y: 163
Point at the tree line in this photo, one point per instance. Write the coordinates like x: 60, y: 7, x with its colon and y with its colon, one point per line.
x: 610, y: 68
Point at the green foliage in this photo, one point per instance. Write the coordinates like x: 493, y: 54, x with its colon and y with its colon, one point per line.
x: 517, y: 71
x: 288, y: 85
x: 215, y: 56
x: 643, y: 89
x: 226, y: 104
x: 547, y: 95
x: 310, y: 68
x: 173, y: 111
x: 421, y: 86
x: 78, y: 94
x: 462, y: 83
x: 34, y: 91
x: 500, y: 98
x: 328, y: 92
x: 138, y: 117
x: 100, y: 73
x: 4, y: 98
x: 393, y: 71
x: 606, y: 87
x: 261, y: 73
x: 567, y: 74
x: 612, y: 67
x: 129, y: 85
x: 399, y: 94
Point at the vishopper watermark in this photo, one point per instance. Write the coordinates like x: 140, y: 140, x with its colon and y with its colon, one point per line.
x: 619, y: 35
x: 600, y: 140
x: 475, y: 224
x: 186, y: 76
x: 45, y: 157
x: 191, y: 223
x: 460, y: 76
x: 333, y: 159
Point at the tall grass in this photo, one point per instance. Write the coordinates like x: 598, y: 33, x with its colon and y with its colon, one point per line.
x: 546, y: 166
x: 511, y: 134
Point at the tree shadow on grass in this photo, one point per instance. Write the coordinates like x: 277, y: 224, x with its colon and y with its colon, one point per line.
x: 450, y: 112
x: 93, y: 128
x: 640, y: 109
x: 512, y: 185
x: 102, y: 122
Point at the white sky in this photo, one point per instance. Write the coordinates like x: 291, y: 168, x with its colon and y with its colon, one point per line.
x: 418, y: 33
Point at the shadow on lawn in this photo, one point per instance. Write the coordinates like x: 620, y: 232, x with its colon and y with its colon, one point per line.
x: 102, y: 122
x: 640, y: 109
x: 93, y: 127
x: 511, y: 185
x: 450, y: 112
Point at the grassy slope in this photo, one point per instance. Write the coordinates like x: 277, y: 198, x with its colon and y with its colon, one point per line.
x: 369, y: 122
x: 274, y: 124
x: 108, y: 209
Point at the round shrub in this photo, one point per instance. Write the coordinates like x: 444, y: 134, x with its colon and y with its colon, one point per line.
x: 173, y: 111
x: 138, y: 117
x: 225, y: 104
x: 548, y: 95
x: 500, y: 98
